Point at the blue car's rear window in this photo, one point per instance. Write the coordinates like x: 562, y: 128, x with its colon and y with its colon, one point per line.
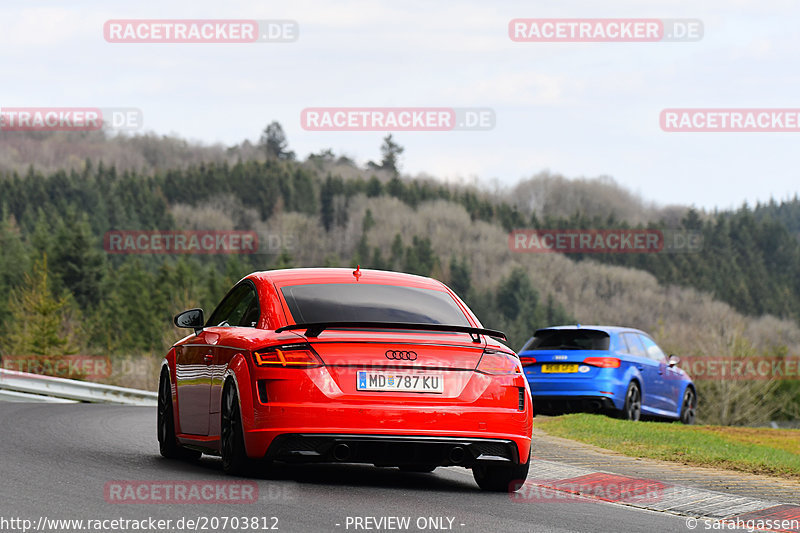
x: 568, y: 339
x: 348, y: 302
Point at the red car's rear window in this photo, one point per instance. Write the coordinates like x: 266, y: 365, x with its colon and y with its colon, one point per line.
x: 348, y: 302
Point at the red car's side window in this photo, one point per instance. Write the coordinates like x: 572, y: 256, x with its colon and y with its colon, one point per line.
x: 239, y: 308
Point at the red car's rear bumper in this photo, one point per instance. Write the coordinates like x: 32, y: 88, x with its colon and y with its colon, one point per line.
x: 388, y: 434
x: 300, y: 415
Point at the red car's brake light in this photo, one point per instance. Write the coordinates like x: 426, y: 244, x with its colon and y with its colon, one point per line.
x: 602, y: 362
x: 288, y: 356
x: 527, y: 361
x: 498, y: 363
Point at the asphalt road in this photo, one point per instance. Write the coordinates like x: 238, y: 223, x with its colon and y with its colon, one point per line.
x: 56, y: 462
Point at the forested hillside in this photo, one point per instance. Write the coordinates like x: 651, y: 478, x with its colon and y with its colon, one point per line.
x: 786, y: 213
x: 63, y: 294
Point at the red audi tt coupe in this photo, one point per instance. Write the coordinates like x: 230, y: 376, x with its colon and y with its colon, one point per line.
x: 341, y: 365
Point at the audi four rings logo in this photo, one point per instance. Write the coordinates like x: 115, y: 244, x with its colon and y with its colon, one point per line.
x: 401, y: 354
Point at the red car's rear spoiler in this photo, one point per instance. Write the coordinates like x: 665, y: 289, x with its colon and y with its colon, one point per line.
x: 313, y: 329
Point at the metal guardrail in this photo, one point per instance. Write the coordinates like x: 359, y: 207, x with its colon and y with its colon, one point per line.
x: 21, y: 386
x: 24, y: 397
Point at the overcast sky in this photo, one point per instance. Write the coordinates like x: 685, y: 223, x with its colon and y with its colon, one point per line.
x: 578, y: 109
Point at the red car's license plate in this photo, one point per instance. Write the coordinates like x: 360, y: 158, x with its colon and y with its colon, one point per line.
x: 400, y: 381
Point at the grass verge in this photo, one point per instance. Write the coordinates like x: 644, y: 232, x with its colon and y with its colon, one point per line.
x: 756, y: 450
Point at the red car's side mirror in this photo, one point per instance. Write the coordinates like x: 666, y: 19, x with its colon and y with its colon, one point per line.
x: 191, y: 318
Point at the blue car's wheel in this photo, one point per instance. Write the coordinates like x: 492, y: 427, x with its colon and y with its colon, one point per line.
x: 688, y: 406
x: 633, y: 403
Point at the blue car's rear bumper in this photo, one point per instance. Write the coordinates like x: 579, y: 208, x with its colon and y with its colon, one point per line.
x: 569, y: 404
x: 601, y: 393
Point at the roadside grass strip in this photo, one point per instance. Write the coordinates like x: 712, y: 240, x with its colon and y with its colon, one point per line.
x: 774, y: 452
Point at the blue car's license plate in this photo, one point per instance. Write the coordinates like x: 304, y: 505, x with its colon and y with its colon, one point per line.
x: 559, y: 368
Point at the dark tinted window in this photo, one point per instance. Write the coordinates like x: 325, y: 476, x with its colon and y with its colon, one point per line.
x: 249, y: 318
x: 346, y: 302
x: 568, y: 339
x: 239, y: 308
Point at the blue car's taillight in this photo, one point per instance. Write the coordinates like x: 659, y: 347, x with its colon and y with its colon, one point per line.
x: 602, y: 362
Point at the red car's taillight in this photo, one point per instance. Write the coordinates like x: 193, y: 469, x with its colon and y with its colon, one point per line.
x: 498, y: 363
x: 527, y: 361
x: 288, y: 356
x: 602, y: 362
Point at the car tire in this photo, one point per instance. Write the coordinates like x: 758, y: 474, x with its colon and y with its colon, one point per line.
x: 421, y: 469
x: 503, y: 477
x: 688, y: 406
x: 632, y: 410
x: 232, y: 449
x: 165, y: 420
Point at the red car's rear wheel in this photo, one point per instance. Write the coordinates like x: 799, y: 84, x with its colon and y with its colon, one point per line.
x: 167, y: 442
x: 234, y: 456
x: 502, y: 477
x: 420, y: 469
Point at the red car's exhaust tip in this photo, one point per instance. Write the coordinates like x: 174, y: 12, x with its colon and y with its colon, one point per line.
x: 457, y: 455
x: 341, y: 452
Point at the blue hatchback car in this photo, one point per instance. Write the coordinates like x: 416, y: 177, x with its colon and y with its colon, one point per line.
x: 609, y: 369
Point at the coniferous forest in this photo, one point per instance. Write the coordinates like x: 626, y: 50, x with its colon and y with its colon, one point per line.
x: 61, y: 293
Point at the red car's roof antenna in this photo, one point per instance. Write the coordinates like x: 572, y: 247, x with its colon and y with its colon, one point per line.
x: 357, y: 272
